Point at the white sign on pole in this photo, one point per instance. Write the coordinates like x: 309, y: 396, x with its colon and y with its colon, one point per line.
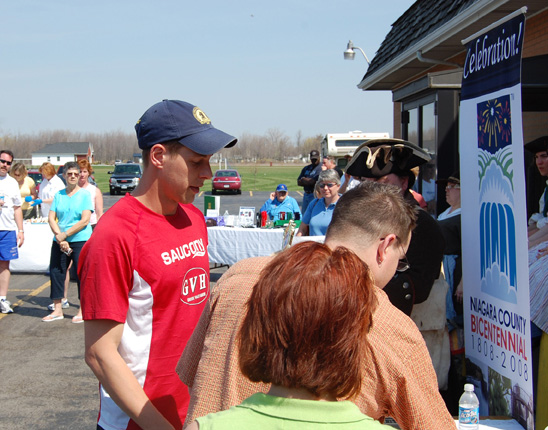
x: 494, y: 224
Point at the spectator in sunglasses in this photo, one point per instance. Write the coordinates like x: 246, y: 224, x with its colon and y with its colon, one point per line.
x: 11, y: 226
x: 319, y: 212
x: 68, y: 219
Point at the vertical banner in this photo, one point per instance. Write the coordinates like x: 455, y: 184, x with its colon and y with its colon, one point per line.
x: 494, y: 225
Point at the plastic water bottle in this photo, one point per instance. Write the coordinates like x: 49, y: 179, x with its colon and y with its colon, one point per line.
x: 468, y: 409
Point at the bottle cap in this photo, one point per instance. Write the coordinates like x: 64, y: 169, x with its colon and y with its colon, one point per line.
x: 468, y: 387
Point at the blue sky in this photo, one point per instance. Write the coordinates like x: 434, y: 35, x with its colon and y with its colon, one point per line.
x: 250, y: 65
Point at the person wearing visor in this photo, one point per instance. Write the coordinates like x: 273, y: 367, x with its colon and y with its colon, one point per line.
x: 145, y: 272
x: 280, y: 201
x: 390, y: 161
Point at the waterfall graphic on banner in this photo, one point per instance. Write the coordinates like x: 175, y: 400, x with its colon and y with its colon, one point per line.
x: 496, y: 195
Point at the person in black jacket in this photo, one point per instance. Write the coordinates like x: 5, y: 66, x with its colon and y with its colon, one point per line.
x: 308, y: 178
x: 390, y: 161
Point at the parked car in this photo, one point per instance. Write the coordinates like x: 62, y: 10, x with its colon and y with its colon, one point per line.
x: 125, y: 177
x: 36, y: 177
x: 227, y: 180
x: 60, y: 174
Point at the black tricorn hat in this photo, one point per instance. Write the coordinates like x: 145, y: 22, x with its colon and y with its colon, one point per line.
x: 379, y: 157
x: 537, y: 145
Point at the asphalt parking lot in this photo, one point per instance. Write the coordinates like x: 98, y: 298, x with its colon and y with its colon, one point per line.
x: 44, y: 381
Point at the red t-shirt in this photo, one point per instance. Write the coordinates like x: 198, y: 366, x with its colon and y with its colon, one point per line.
x: 150, y: 272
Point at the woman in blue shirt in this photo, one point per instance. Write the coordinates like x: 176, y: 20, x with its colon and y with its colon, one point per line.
x: 68, y: 218
x: 319, y: 212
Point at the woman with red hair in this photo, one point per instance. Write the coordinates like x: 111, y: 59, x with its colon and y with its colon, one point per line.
x: 305, y: 332
x: 96, y: 195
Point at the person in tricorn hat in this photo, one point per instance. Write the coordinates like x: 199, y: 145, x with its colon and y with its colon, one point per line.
x: 145, y: 272
x: 390, y: 161
x: 308, y: 178
x: 538, y: 229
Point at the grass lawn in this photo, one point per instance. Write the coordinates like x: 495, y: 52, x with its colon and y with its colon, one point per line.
x: 254, y: 177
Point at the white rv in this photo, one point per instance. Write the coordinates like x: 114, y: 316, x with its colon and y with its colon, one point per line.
x: 339, y: 145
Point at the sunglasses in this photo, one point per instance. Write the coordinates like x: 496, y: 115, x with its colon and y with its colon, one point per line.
x: 452, y: 187
x: 72, y: 173
x: 9, y: 163
x: 328, y: 185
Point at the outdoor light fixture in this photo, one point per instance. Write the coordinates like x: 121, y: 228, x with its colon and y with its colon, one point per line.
x: 349, y: 54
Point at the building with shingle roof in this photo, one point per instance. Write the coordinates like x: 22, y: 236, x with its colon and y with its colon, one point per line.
x: 62, y: 152
x: 420, y: 61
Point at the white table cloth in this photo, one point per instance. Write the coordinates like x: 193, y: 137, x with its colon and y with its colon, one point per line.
x: 227, y: 245
x: 35, y: 253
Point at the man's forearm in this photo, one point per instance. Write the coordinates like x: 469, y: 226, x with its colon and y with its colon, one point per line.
x: 102, y: 338
x: 18, y: 215
x: 120, y: 383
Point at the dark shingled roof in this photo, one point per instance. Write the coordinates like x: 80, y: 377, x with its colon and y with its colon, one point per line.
x: 421, y: 19
x: 64, y: 148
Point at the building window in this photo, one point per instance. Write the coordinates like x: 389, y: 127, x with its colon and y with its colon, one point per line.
x: 49, y: 158
x: 58, y: 158
x: 419, y: 127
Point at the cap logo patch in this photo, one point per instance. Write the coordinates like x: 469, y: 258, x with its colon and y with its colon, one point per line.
x: 200, y: 116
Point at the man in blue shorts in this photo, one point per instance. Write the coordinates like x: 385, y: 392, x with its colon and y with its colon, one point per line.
x: 11, y: 226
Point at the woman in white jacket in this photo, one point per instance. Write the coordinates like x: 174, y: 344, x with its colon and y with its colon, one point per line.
x: 51, y: 184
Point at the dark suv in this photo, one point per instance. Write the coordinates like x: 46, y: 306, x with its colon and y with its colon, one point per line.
x: 126, y: 177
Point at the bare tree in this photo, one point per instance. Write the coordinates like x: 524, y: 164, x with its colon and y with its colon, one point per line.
x: 275, y: 145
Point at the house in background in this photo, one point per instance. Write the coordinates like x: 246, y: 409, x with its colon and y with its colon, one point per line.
x: 420, y: 61
x: 62, y: 152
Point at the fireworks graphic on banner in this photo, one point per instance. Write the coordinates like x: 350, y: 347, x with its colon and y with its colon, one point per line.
x: 494, y: 124
x: 498, y: 260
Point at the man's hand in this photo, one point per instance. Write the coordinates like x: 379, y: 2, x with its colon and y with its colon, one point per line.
x: 459, y: 292
x: 20, y: 239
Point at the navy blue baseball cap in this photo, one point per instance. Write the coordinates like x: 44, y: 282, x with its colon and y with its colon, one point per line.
x: 281, y: 187
x: 187, y: 124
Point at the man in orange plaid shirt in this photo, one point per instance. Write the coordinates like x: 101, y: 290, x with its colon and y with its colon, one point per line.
x: 373, y: 221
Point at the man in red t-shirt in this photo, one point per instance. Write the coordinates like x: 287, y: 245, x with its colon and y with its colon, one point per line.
x: 145, y: 273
